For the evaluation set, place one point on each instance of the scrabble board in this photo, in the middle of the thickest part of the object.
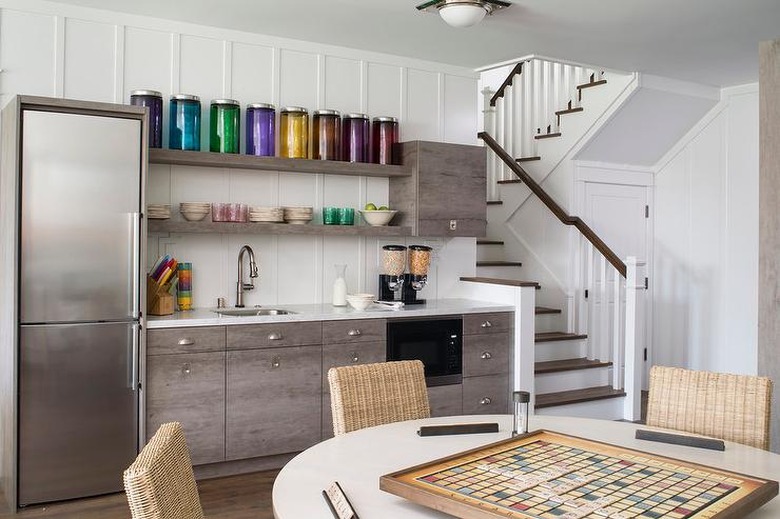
(548, 475)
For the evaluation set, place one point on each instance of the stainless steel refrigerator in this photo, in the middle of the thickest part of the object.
(79, 299)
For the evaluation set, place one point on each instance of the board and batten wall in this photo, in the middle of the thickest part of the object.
(705, 267)
(57, 50)
(769, 250)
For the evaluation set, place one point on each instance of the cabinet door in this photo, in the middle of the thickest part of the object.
(273, 335)
(479, 324)
(185, 340)
(273, 400)
(486, 354)
(486, 395)
(446, 400)
(189, 388)
(335, 355)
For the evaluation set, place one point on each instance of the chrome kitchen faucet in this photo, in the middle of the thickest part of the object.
(240, 285)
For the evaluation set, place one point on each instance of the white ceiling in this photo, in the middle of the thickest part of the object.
(713, 42)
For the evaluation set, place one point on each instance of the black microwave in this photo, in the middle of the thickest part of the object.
(436, 342)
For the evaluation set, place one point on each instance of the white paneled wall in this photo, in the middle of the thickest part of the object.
(57, 50)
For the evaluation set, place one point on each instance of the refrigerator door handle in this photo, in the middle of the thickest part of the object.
(136, 265)
(134, 356)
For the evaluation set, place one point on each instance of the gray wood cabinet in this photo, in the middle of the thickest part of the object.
(273, 335)
(273, 400)
(446, 400)
(351, 342)
(446, 192)
(487, 362)
(185, 382)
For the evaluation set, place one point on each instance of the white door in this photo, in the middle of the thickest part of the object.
(618, 213)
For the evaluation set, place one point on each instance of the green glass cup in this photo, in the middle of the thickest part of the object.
(330, 215)
(346, 216)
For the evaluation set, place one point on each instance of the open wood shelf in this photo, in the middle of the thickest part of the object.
(178, 226)
(237, 161)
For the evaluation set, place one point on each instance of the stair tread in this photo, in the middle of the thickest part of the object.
(527, 159)
(592, 84)
(576, 396)
(547, 135)
(558, 336)
(500, 281)
(546, 310)
(513, 181)
(569, 111)
(494, 202)
(556, 366)
(499, 264)
(490, 242)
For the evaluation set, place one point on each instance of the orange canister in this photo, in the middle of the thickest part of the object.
(294, 132)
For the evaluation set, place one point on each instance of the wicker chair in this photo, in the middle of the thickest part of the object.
(731, 407)
(160, 483)
(375, 394)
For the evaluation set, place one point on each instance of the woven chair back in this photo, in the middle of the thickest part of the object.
(730, 407)
(374, 394)
(160, 483)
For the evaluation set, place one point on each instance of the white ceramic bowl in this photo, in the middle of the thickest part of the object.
(194, 216)
(360, 301)
(377, 218)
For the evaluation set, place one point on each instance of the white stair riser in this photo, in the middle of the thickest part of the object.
(607, 409)
(574, 379)
(549, 323)
(491, 253)
(501, 272)
(559, 350)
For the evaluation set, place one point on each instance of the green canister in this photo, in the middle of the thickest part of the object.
(225, 126)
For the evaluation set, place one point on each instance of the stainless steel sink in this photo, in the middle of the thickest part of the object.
(241, 312)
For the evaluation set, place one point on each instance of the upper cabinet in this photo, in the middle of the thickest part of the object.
(446, 193)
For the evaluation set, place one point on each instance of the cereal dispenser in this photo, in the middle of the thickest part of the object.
(393, 266)
(394, 284)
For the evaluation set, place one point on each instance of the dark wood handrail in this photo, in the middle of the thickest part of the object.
(553, 206)
(517, 69)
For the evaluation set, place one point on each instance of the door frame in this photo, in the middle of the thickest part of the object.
(590, 172)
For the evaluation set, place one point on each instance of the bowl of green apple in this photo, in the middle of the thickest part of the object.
(377, 216)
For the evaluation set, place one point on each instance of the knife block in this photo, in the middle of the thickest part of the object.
(158, 300)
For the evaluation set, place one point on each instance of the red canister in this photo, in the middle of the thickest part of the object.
(384, 134)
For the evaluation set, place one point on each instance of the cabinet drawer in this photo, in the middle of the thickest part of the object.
(446, 400)
(486, 354)
(273, 401)
(273, 335)
(357, 330)
(190, 389)
(486, 395)
(185, 340)
(477, 324)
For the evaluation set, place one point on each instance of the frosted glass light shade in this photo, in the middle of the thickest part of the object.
(463, 14)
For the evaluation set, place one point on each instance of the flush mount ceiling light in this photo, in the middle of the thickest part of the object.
(463, 13)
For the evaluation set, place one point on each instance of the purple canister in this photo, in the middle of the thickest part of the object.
(260, 134)
(355, 135)
(152, 100)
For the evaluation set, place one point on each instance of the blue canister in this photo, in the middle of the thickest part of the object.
(260, 129)
(184, 124)
(152, 100)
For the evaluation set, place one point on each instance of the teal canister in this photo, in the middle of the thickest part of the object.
(225, 126)
(184, 122)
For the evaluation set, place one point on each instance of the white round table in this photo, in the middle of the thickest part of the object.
(358, 459)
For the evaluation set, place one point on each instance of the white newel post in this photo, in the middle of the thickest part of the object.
(633, 356)
(489, 118)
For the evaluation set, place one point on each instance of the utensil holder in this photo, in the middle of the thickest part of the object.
(158, 300)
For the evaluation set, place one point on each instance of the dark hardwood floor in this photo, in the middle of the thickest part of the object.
(235, 497)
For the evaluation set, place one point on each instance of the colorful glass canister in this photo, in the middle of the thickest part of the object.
(325, 134)
(151, 99)
(184, 123)
(225, 126)
(354, 139)
(294, 132)
(384, 134)
(260, 129)
(184, 286)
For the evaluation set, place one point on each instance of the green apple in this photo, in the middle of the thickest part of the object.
(370, 207)
(384, 208)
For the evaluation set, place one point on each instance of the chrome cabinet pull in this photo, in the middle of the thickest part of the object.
(486, 324)
(186, 341)
(354, 333)
(485, 401)
(274, 336)
(186, 368)
(486, 355)
(354, 357)
(275, 363)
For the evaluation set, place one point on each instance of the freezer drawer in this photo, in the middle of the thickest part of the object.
(78, 410)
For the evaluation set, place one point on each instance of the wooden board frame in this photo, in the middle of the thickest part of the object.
(751, 495)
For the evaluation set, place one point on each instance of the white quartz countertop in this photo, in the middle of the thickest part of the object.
(326, 312)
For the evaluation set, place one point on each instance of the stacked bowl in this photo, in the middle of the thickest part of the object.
(158, 211)
(360, 301)
(266, 214)
(194, 211)
(299, 215)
